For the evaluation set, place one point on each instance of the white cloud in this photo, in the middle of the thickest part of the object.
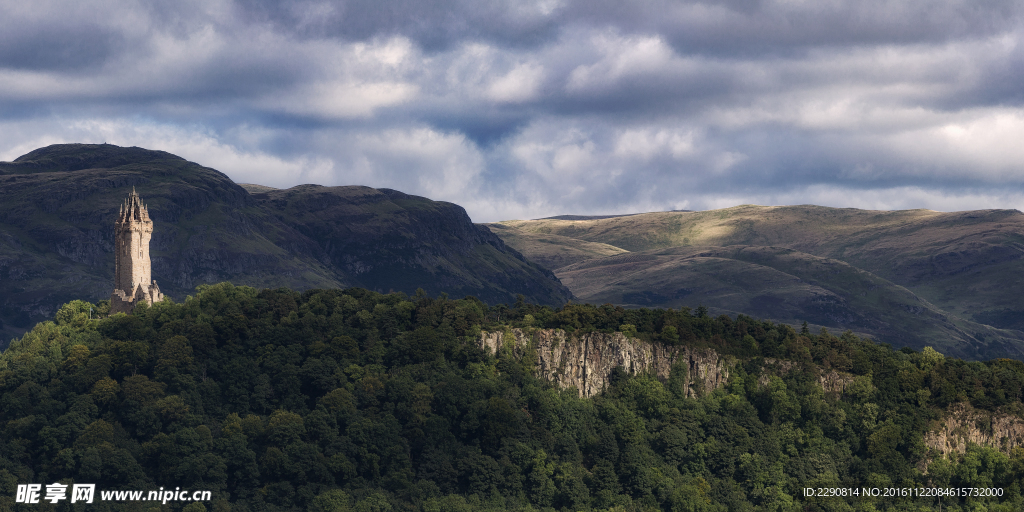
(352, 80)
(983, 144)
(645, 144)
(442, 166)
(343, 99)
(623, 57)
(520, 84)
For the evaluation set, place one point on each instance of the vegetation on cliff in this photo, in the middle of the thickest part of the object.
(354, 400)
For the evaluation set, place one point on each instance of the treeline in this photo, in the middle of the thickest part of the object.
(335, 400)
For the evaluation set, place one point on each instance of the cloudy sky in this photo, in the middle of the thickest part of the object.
(531, 108)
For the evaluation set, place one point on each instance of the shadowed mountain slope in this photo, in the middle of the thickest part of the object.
(58, 204)
(387, 240)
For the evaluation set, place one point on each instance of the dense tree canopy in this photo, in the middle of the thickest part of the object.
(334, 400)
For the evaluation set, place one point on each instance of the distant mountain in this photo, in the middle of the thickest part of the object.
(597, 217)
(910, 278)
(58, 204)
(553, 251)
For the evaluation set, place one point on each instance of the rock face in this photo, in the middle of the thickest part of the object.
(831, 381)
(834, 382)
(964, 425)
(585, 362)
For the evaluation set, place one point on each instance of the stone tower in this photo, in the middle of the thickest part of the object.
(132, 269)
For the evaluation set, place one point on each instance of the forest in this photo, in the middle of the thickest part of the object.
(352, 400)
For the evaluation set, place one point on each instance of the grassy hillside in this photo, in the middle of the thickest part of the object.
(966, 265)
(553, 251)
(788, 286)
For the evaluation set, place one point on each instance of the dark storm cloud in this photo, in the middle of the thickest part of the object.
(64, 48)
(434, 25)
(526, 109)
(716, 27)
(483, 130)
(758, 27)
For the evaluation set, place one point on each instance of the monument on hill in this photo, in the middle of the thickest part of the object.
(132, 280)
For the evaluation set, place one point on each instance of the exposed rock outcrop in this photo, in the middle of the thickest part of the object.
(832, 381)
(586, 361)
(964, 425)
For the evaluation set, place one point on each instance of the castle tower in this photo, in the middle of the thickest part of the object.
(132, 270)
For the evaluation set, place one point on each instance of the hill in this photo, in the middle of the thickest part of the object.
(553, 251)
(338, 400)
(58, 204)
(958, 269)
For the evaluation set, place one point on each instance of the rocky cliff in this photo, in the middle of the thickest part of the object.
(586, 361)
(965, 425)
(831, 381)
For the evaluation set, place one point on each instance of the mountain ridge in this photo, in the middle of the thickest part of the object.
(58, 204)
(962, 264)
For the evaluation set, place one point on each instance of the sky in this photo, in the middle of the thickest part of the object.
(520, 109)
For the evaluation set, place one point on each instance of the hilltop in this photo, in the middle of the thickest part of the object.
(910, 278)
(58, 204)
(336, 400)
